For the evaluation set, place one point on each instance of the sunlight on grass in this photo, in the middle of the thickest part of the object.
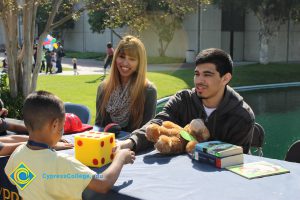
(82, 89)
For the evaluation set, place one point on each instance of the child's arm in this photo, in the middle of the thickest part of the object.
(8, 148)
(110, 175)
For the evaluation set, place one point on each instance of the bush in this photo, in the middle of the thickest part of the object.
(13, 105)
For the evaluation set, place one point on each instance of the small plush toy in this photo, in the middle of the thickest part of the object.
(173, 139)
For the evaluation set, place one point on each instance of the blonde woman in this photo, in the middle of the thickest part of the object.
(126, 97)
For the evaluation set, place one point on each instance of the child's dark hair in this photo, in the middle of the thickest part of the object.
(220, 58)
(40, 108)
(109, 45)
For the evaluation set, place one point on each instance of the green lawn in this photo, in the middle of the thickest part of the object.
(85, 55)
(82, 89)
(101, 56)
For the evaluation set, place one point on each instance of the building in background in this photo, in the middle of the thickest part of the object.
(209, 27)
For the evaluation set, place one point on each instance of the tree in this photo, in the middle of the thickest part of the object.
(163, 17)
(63, 11)
(117, 14)
(271, 14)
(22, 80)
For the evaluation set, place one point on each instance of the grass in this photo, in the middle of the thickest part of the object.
(101, 56)
(82, 89)
(85, 55)
(164, 60)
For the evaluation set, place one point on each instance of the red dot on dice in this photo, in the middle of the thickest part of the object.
(95, 161)
(79, 143)
(102, 143)
(111, 156)
(103, 161)
(111, 140)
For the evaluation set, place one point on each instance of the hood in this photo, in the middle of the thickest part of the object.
(231, 100)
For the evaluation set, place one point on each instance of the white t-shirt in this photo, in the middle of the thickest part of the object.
(209, 110)
(58, 176)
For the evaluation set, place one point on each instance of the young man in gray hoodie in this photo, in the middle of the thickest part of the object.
(227, 116)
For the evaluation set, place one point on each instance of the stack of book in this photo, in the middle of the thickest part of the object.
(220, 154)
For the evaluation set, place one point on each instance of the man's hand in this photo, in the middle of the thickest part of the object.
(124, 144)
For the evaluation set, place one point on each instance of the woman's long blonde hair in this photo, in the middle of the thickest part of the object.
(133, 47)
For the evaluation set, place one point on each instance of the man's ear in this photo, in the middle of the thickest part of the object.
(226, 78)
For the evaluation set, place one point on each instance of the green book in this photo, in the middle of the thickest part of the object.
(219, 149)
(257, 169)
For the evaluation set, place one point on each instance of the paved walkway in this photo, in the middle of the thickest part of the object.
(92, 66)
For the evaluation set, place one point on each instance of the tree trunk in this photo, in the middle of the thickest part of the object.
(161, 48)
(28, 33)
(264, 49)
(10, 19)
(264, 37)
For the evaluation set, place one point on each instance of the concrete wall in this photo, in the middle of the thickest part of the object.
(277, 45)
(238, 44)
(81, 37)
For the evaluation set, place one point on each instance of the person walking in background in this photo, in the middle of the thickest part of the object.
(109, 56)
(74, 61)
(48, 58)
(126, 97)
(59, 55)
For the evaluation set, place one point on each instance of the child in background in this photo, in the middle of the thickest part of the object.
(109, 56)
(74, 60)
(44, 117)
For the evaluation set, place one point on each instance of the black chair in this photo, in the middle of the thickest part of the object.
(80, 110)
(257, 140)
(293, 154)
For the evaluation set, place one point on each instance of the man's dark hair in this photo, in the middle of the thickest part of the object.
(109, 45)
(220, 58)
(40, 108)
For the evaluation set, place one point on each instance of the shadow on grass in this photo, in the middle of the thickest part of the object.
(101, 78)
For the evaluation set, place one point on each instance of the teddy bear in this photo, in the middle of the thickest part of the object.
(170, 138)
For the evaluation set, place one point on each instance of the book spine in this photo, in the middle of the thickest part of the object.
(204, 157)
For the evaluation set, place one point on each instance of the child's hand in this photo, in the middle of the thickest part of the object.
(125, 155)
(63, 145)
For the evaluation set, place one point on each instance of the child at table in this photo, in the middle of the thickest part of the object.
(44, 117)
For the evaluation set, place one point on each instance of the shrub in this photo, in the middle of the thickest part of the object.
(14, 105)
